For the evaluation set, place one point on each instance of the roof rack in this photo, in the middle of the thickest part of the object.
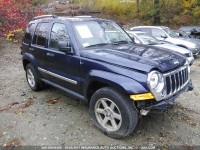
(85, 16)
(44, 16)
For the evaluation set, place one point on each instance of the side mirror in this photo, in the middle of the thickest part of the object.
(133, 38)
(163, 36)
(179, 34)
(136, 41)
(65, 46)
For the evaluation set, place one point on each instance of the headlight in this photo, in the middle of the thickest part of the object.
(155, 81)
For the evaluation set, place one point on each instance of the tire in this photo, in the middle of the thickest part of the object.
(103, 115)
(33, 79)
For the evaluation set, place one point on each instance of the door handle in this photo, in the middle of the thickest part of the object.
(50, 54)
(31, 49)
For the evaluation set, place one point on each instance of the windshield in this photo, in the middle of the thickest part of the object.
(148, 39)
(170, 32)
(99, 33)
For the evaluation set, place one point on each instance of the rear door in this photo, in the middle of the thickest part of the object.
(39, 43)
(59, 67)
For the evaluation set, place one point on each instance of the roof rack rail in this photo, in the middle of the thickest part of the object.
(44, 16)
(85, 16)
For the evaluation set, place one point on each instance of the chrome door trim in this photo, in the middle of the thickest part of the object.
(57, 76)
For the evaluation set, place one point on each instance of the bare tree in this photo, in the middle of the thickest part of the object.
(138, 8)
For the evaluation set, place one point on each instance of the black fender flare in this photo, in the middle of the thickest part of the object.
(31, 59)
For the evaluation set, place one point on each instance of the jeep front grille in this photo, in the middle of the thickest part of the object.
(176, 80)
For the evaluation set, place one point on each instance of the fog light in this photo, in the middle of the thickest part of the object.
(141, 97)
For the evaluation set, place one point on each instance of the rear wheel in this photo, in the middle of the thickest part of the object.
(113, 113)
(33, 79)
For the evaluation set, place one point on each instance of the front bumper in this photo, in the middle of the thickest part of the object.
(164, 104)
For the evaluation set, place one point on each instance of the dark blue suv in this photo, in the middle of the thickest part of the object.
(96, 61)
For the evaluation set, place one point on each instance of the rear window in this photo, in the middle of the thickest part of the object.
(28, 33)
(41, 34)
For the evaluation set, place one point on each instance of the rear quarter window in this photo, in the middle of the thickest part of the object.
(28, 33)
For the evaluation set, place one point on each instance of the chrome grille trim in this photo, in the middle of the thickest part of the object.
(175, 82)
(172, 85)
(179, 81)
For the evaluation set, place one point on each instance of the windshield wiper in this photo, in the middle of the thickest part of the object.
(100, 44)
(120, 42)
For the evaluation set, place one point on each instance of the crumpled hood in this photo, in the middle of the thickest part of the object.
(139, 57)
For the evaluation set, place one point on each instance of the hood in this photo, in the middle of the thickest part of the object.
(138, 57)
(190, 43)
(174, 48)
(191, 40)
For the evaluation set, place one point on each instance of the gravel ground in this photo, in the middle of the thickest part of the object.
(49, 117)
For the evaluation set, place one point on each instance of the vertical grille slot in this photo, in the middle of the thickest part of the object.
(173, 83)
(181, 78)
(168, 85)
(176, 80)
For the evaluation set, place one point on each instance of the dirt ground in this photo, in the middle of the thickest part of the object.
(49, 117)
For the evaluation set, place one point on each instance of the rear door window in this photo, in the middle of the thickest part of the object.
(28, 33)
(41, 34)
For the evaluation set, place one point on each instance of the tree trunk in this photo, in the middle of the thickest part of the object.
(138, 9)
(156, 17)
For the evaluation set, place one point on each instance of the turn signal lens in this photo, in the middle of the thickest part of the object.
(141, 97)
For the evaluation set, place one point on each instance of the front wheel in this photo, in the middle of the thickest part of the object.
(113, 113)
